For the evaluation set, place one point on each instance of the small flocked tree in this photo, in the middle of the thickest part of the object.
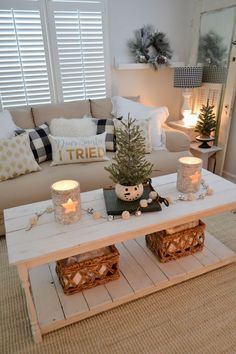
(129, 166)
(206, 123)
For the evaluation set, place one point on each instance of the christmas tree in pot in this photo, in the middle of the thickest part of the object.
(206, 124)
(129, 169)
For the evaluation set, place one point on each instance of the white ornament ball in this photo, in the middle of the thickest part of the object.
(96, 215)
(169, 199)
(210, 191)
(110, 218)
(33, 220)
(143, 203)
(49, 210)
(153, 195)
(191, 197)
(149, 200)
(138, 213)
(125, 215)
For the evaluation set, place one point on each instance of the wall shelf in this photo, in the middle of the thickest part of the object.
(140, 66)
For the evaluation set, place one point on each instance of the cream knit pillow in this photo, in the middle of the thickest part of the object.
(16, 157)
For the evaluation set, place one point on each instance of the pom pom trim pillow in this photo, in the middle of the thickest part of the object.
(73, 127)
(16, 157)
(39, 142)
(123, 107)
(66, 150)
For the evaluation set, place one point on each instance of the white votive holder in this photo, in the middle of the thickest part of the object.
(66, 201)
(189, 174)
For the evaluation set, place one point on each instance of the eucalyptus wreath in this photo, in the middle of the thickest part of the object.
(150, 46)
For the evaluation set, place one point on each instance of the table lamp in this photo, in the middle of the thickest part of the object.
(187, 77)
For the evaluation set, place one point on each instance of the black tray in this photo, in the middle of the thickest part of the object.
(116, 206)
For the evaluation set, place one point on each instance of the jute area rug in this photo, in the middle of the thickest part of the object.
(198, 316)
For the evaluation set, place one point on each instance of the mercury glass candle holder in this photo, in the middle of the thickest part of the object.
(189, 174)
(66, 201)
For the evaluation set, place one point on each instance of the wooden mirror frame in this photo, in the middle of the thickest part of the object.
(225, 115)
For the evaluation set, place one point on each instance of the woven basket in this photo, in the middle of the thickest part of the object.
(182, 243)
(88, 273)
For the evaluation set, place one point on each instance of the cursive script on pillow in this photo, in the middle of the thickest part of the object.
(81, 149)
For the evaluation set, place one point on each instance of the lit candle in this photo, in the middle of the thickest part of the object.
(66, 201)
(189, 174)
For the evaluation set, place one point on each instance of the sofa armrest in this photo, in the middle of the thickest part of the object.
(176, 140)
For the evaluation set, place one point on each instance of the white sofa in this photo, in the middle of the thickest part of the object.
(35, 186)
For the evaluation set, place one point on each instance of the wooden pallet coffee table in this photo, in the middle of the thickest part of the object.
(34, 252)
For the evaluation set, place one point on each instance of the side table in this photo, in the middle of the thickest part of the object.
(204, 154)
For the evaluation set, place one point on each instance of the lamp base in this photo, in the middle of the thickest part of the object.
(186, 107)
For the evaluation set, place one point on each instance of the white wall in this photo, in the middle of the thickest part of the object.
(172, 17)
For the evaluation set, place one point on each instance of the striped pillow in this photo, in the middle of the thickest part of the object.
(107, 125)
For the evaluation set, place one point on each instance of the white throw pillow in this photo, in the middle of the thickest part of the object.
(73, 127)
(144, 125)
(16, 157)
(78, 149)
(123, 107)
(7, 125)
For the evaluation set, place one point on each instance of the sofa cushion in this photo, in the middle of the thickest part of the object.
(7, 125)
(74, 109)
(73, 127)
(122, 107)
(176, 140)
(101, 108)
(68, 150)
(144, 127)
(39, 142)
(106, 125)
(16, 157)
(23, 117)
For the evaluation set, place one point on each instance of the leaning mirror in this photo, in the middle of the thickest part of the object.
(215, 40)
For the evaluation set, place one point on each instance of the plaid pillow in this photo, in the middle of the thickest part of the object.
(39, 142)
(107, 125)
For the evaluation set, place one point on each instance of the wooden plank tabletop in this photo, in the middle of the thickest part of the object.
(50, 241)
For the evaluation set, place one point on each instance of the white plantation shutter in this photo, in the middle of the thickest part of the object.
(51, 51)
(79, 49)
(24, 76)
(211, 92)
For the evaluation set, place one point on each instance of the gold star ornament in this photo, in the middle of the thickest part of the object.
(70, 206)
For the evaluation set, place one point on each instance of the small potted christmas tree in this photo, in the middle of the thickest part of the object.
(129, 169)
(206, 124)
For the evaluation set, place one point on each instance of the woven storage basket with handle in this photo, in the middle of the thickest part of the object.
(178, 244)
(88, 273)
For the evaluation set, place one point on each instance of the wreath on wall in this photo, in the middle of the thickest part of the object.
(150, 46)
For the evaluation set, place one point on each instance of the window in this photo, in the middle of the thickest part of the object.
(23, 68)
(63, 63)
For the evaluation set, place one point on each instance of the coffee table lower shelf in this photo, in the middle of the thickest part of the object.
(141, 274)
